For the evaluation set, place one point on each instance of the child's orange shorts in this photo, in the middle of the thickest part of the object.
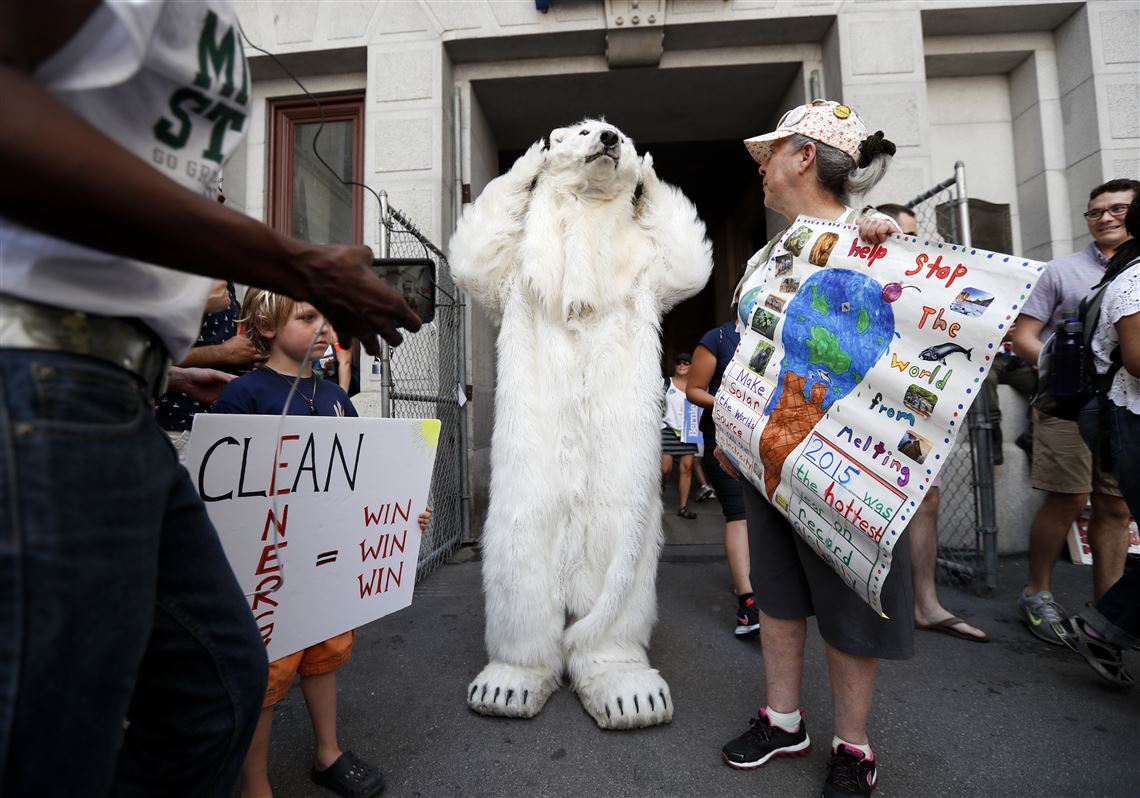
(312, 661)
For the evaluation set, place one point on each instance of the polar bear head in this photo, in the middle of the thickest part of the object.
(593, 159)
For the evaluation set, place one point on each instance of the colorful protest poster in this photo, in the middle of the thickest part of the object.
(317, 516)
(855, 369)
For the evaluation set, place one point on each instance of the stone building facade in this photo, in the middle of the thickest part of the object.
(1040, 99)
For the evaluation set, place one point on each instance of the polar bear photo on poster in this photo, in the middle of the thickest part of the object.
(577, 252)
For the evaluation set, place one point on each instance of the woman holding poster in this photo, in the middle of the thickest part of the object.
(819, 154)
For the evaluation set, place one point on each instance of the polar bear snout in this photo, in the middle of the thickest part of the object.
(609, 142)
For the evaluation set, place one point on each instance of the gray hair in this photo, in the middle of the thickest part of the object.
(837, 171)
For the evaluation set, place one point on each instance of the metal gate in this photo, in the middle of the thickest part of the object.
(967, 518)
(424, 378)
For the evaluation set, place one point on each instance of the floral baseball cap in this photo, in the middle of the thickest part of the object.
(825, 121)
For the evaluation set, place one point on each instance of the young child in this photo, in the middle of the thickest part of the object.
(287, 332)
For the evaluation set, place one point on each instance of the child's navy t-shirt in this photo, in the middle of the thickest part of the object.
(263, 391)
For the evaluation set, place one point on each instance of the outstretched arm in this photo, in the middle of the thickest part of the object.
(485, 245)
(684, 253)
(67, 179)
(202, 385)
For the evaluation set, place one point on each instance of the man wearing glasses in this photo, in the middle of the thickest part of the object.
(1063, 466)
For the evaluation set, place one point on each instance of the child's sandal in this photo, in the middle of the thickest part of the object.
(351, 777)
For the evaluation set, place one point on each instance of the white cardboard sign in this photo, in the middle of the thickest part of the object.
(317, 516)
(855, 369)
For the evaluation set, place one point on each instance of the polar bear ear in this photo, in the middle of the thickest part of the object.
(557, 136)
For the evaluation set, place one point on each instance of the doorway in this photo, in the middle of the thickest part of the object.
(692, 120)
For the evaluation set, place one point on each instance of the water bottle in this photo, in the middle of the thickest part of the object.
(1068, 352)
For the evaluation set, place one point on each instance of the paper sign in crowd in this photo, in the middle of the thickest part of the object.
(855, 369)
(691, 420)
(317, 516)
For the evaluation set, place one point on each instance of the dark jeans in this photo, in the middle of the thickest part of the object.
(118, 608)
(1117, 614)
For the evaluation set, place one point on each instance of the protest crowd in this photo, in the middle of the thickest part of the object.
(132, 301)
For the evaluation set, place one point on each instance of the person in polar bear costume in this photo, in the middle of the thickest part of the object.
(577, 251)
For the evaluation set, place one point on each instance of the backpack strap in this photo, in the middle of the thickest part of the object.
(1089, 314)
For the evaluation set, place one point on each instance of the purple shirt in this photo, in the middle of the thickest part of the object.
(1063, 284)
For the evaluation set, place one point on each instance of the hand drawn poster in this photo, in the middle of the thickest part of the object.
(855, 369)
(317, 516)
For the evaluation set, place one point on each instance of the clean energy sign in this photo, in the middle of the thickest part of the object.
(317, 516)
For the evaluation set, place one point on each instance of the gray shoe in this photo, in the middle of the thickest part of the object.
(1043, 616)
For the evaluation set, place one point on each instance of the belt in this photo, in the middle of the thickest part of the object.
(126, 343)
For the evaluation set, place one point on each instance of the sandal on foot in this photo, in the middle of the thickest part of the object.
(946, 627)
(351, 777)
(685, 512)
(1104, 657)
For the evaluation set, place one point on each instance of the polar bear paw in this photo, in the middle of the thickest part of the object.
(511, 691)
(626, 699)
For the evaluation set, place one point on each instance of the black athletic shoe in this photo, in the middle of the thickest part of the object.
(849, 773)
(762, 742)
(747, 618)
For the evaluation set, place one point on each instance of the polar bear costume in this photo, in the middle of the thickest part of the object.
(577, 251)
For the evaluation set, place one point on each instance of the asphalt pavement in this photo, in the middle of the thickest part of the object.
(1014, 717)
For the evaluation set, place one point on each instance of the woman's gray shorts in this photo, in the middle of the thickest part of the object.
(791, 581)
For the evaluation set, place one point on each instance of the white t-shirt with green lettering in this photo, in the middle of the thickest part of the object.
(168, 81)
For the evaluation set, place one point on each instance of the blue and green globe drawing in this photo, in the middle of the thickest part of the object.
(836, 328)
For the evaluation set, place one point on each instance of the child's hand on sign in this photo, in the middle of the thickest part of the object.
(425, 518)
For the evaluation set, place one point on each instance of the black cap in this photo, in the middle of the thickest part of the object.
(685, 356)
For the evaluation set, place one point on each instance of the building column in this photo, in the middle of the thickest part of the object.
(873, 61)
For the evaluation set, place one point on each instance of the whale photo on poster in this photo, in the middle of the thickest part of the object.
(856, 366)
(317, 516)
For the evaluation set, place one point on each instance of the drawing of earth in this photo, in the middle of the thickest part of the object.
(835, 329)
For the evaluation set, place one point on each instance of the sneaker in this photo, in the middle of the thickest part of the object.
(685, 512)
(747, 618)
(762, 742)
(1043, 616)
(704, 493)
(849, 773)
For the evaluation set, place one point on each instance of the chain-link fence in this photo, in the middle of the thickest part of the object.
(967, 525)
(427, 381)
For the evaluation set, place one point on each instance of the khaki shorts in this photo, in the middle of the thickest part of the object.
(312, 661)
(1062, 462)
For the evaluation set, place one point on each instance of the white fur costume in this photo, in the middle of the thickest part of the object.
(578, 250)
